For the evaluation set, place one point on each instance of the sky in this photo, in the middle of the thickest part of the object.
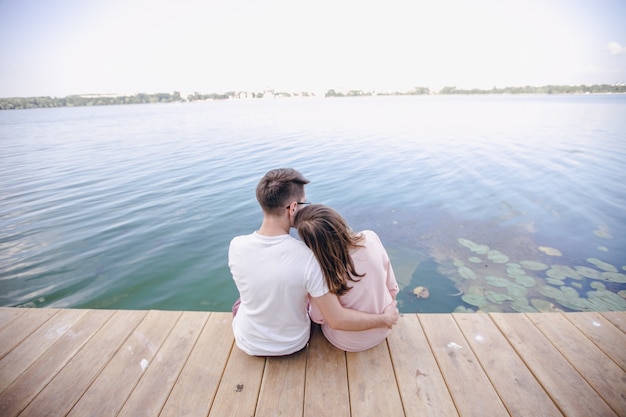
(64, 47)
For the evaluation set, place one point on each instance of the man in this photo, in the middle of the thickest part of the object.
(275, 273)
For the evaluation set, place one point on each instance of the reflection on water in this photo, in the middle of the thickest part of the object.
(134, 206)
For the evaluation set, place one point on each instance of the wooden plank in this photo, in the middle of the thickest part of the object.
(518, 389)
(603, 333)
(7, 315)
(282, 387)
(571, 393)
(372, 383)
(608, 379)
(16, 331)
(72, 381)
(17, 395)
(20, 358)
(422, 387)
(326, 378)
(111, 389)
(157, 382)
(239, 389)
(198, 382)
(618, 318)
(471, 390)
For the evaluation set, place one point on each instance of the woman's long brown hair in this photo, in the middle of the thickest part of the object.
(326, 233)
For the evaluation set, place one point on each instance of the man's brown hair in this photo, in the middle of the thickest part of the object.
(279, 188)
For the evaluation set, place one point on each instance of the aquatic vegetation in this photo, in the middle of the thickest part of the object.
(525, 281)
(421, 292)
(522, 308)
(497, 257)
(467, 273)
(555, 281)
(475, 300)
(550, 292)
(613, 277)
(601, 299)
(498, 298)
(514, 270)
(534, 265)
(517, 290)
(603, 232)
(603, 248)
(493, 282)
(463, 309)
(602, 265)
(497, 281)
(474, 247)
(544, 306)
(563, 271)
(550, 251)
(587, 272)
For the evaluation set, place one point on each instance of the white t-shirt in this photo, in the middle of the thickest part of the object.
(274, 276)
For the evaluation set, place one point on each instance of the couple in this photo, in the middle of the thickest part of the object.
(343, 280)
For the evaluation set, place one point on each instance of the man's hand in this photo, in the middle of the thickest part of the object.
(391, 314)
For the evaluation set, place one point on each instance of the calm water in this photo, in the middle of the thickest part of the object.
(134, 206)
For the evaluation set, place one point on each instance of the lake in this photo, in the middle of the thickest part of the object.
(497, 203)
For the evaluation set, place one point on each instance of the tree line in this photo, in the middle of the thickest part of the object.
(103, 100)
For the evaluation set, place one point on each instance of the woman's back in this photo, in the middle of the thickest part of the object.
(371, 293)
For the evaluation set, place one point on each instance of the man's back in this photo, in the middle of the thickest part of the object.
(274, 275)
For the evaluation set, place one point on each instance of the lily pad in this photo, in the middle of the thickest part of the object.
(555, 281)
(474, 247)
(544, 306)
(525, 281)
(497, 257)
(603, 232)
(597, 285)
(514, 271)
(498, 298)
(475, 260)
(463, 309)
(517, 290)
(475, 300)
(587, 272)
(523, 308)
(562, 272)
(458, 263)
(467, 273)
(550, 251)
(490, 308)
(497, 281)
(622, 293)
(550, 292)
(601, 300)
(602, 265)
(534, 265)
(613, 277)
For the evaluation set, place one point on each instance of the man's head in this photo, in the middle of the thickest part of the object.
(279, 189)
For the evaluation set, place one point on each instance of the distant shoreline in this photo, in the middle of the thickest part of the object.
(15, 103)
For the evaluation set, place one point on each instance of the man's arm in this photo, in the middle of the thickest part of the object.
(340, 318)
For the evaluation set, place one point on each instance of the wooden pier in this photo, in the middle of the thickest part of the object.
(166, 363)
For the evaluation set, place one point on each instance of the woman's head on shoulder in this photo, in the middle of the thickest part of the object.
(327, 234)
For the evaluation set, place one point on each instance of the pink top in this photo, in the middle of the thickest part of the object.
(375, 291)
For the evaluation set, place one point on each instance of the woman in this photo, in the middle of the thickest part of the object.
(355, 267)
